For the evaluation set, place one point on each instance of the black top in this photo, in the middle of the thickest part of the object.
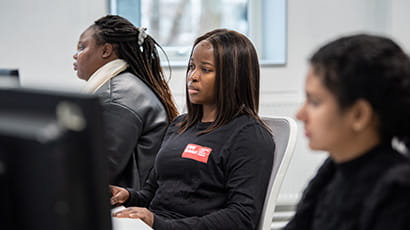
(369, 192)
(211, 181)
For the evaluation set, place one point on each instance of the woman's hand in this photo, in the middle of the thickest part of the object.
(138, 213)
(119, 195)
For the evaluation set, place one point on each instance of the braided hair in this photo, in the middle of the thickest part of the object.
(140, 54)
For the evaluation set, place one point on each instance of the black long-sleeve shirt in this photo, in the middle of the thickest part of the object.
(371, 192)
(210, 181)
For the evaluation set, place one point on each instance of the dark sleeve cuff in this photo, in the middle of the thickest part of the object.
(160, 223)
(132, 200)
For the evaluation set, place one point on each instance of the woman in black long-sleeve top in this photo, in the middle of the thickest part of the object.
(213, 168)
(357, 102)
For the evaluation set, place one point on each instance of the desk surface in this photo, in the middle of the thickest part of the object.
(129, 224)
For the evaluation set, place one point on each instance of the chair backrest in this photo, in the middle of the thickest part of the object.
(284, 134)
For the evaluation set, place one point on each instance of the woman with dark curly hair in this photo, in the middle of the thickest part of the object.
(357, 105)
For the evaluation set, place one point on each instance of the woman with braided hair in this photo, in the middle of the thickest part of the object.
(120, 63)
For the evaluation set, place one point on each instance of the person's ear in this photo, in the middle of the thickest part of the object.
(362, 115)
(108, 50)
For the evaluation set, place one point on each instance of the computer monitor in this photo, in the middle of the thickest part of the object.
(9, 78)
(52, 163)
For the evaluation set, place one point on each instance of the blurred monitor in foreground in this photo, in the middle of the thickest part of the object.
(9, 78)
(52, 164)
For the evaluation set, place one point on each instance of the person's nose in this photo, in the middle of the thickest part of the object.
(193, 75)
(301, 113)
(75, 56)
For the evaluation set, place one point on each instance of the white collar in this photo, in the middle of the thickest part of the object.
(103, 74)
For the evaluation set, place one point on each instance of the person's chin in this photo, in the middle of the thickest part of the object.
(193, 100)
(82, 77)
(312, 145)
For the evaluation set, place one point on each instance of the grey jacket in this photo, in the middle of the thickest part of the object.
(135, 121)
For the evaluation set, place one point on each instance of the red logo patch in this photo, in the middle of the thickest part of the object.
(197, 152)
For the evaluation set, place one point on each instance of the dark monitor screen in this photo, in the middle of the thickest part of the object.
(9, 78)
(52, 165)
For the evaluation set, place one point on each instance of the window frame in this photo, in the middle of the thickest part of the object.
(267, 30)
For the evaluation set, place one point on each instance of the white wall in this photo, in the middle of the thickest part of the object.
(39, 37)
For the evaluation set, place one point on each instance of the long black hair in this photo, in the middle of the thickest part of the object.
(237, 79)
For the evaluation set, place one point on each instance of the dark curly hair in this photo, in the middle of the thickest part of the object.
(372, 68)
